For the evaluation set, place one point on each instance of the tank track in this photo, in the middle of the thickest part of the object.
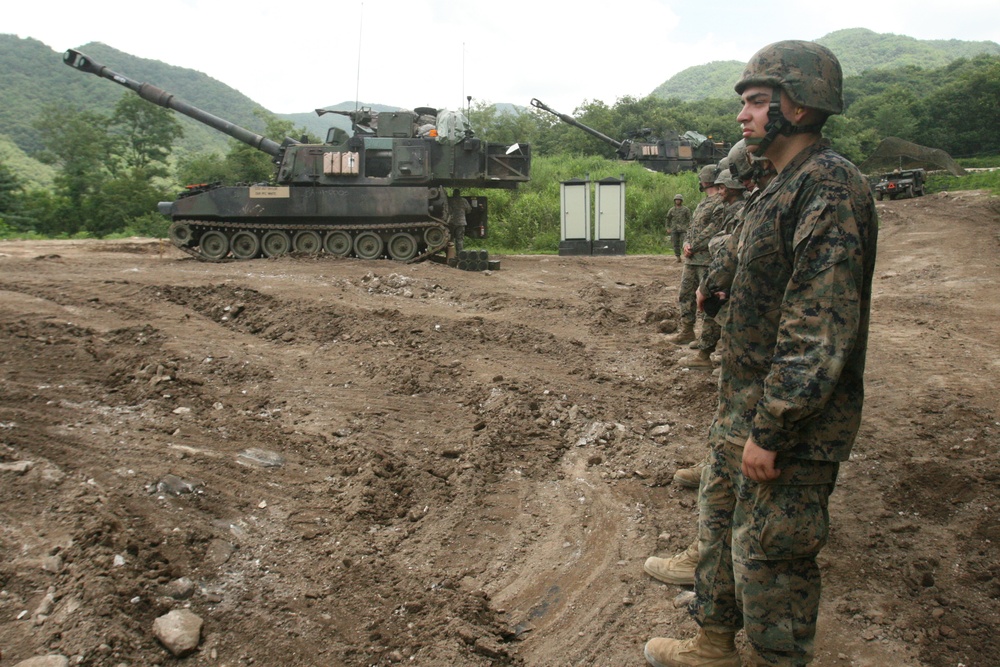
(199, 227)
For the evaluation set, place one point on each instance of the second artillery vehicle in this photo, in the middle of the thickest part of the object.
(688, 152)
(378, 191)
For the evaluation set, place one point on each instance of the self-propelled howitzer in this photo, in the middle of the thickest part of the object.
(378, 191)
(668, 155)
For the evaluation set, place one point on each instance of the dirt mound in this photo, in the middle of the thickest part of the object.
(340, 462)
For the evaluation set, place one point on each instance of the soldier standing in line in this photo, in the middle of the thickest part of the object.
(732, 190)
(678, 223)
(679, 569)
(791, 388)
(706, 221)
(458, 207)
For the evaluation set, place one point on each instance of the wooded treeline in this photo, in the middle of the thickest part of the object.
(955, 108)
(110, 170)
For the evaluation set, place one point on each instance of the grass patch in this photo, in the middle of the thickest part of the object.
(975, 180)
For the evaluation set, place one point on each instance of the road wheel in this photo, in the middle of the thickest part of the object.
(276, 243)
(245, 245)
(214, 244)
(338, 243)
(434, 236)
(307, 242)
(402, 247)
(368, 245)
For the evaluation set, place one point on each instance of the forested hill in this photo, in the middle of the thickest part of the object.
(33, 79)
(858, 49)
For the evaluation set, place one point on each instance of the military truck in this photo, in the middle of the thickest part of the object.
(901, 183)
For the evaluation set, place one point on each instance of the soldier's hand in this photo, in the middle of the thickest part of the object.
(758, 463)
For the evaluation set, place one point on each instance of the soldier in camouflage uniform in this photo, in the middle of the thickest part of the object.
(755, 172)
(458, 208)
(791, 389)
(678, 222)
(732, 190)
(707, 220)
(679, 569)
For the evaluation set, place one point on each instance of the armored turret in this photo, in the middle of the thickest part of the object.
(374, 192)
(669, 155)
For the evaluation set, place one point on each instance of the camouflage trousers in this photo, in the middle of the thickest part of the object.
(687, 307)
(458, 236)
(757, 547)
(677, 242)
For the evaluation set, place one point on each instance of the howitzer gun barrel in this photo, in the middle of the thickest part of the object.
(538, 104)
(167, 100)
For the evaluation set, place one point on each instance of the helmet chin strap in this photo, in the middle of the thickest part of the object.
(778, 124)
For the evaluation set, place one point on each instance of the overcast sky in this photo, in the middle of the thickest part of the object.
(436, 52)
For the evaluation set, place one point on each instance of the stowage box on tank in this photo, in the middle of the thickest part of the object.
(379, 191)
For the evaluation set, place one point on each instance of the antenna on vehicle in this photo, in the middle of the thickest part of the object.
(357, 84)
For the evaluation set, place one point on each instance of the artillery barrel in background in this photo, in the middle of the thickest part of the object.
(167, 100)
(538, 104)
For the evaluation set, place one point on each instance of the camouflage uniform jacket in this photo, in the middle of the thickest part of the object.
(734, 213)
(708, 220)
(678, 219)
(792, 374)
(719, 277)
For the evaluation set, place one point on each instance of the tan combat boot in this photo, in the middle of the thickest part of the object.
(700, 359)
(706, 649)
(677, 570)
(690, 478)
(683, 336)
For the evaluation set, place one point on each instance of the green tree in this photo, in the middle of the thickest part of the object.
(851, 138)
(108, 167)
(48, 213)
(203, 168)
(505, 126)
(11, 201)
(77, 144)
(963, 116)
(119, 201)
(143, 135)
(894, 112)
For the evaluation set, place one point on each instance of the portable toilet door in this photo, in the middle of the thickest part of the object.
(574, 198)
(609, 238)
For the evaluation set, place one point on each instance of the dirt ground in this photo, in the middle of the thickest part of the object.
(343, 462)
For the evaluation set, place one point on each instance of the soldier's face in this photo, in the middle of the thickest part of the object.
(753, 116)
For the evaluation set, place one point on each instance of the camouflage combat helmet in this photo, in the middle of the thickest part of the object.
(679, 196)
(707, 174)
(809, 73)
(727, 179)
(739, 161)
